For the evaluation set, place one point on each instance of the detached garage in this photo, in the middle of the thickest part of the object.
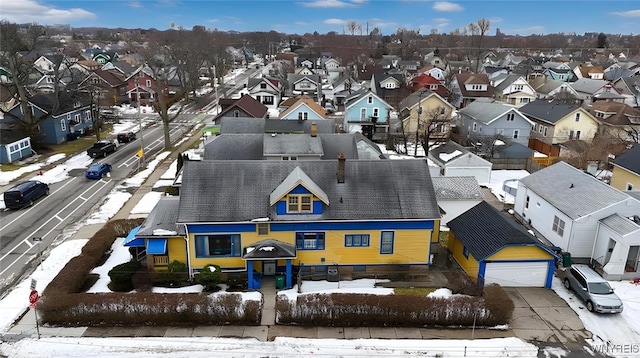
(492, 248)
(456, 161)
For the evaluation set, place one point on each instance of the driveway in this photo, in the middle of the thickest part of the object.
(540, 315)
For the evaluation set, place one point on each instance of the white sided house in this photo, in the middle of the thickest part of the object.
(455, 195)
(591, 220)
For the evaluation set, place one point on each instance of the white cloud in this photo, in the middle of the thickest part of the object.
(527, 30)
(31, 11)
(135, 4)
(630, 13)
(442, 22)
(329, 3)
(335, 21)
(447, 6)
(382, 24)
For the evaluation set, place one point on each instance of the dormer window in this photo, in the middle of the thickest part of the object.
(299, 203)
(303, 116)
(433, 87)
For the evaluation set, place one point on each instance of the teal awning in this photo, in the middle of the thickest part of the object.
(131, 240)
(156, 246)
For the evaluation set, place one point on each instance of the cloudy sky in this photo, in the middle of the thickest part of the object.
(306, 16)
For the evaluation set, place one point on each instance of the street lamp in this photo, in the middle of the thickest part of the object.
(38, 240)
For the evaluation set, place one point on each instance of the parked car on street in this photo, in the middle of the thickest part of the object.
(101, 149)
(97, 170)
(25, 193)
(594, 290)
(126, 137)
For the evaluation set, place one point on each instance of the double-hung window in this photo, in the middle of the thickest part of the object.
(386, 242)
(558, 225)
(356, 240)
(310, 240)
(299, 203)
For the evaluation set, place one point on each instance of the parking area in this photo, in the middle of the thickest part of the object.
(541, 315)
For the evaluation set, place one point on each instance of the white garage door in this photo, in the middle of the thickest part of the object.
(517, 274)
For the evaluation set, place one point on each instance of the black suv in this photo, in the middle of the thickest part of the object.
(126, 137)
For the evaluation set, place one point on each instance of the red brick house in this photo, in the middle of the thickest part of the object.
(143, 83)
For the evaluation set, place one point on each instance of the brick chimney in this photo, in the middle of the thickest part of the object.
(314, 129)
(341, 161)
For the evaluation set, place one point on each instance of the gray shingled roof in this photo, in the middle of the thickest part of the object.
(588, 85)
(620, 225)
(456, 188)
(163, 217)
(291, 144)
(242, 125)
(289, 126)
(485, 112)
(630, 160)
(572, 191)
(234, 191)
(484, 231)
(546, 111)
(509, 79)
(234, 146)
(447, 148)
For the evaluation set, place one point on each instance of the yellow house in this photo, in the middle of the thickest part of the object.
(626, 170)
(269, 218)
(426, 113)
(557, 122)
(492, 248)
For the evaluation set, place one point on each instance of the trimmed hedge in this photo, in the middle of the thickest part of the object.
(62, 304)
(494, 308)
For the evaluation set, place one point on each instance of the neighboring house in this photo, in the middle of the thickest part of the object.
(486, 121)
(389, 87)
(514, 90)
(110, 85)
(343, 87)
(367, 113)
(589, 90)
(86, 66)
(626, 170)
(143, 87)
(592, 72)
(244, 107)
(14, 146)
(316, 143)
(425, 112)
(309, 85)
(430, 83)
(266, 90)
(557, 122)
(71, 116)
(546, 88)
(583, 216)
(433, 71)
(303, 108)
(617, 120)
(288, 217)
(559, 71)
(456, 161)
(470, 87)
(492, 248)
(455, 195)
(630, 87)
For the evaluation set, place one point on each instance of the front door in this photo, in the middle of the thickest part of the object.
(269, 268)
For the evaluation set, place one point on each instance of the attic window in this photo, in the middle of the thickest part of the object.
(577, 117)
(299, 203)
(433, 87)
(263, 228)
(511, 117)
(370, 99)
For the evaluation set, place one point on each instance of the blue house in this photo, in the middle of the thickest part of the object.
(14, 146)
(71, 117)
(367, 113)
(303, 108)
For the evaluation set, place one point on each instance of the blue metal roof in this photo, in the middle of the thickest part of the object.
(131, 240)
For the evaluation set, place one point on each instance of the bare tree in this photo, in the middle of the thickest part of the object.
(353, 27)
(433, 127)
(478, 31)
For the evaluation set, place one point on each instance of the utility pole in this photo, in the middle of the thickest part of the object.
(415, 152)
(141, 152)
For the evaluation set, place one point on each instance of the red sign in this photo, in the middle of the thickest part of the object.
(33, 298)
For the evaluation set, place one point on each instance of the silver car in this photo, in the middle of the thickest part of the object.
(592, 289)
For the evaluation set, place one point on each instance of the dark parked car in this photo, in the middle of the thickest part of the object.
(97, 170)
(126, 137)
(25, 193)
(101, 149)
